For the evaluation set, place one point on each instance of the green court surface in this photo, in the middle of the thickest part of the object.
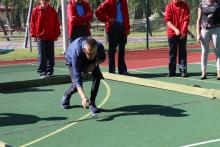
(160, 73)
(131, 115)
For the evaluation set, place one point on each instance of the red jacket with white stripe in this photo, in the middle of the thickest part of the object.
(44, 23)
(108, 10)
(75, 20)
(178, 14)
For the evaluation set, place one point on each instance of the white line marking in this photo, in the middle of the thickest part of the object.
(71, 124)
(202, 143)
(191, 79)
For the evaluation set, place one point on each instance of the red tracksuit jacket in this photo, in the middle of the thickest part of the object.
(75, 20)
(108, 10)
(179, 15)
(45, 23)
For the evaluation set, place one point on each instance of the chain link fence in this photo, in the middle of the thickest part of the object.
(13, 18)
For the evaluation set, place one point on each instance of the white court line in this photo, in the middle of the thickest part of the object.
(108, 93)
(202, 143)
(191, 79)
(212, 65)
(152, 67)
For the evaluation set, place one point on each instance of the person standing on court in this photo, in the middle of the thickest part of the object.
(208, 28)
(115, 15)
(79, 16)
(177, 16)
(84, 55)
(45, 28)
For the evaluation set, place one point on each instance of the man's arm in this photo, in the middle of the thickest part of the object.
(170, 25)
(168, 19)
(77, 77)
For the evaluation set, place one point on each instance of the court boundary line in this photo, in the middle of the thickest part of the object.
(188, 78)
(202, 143)
(191, 79)
(108, 93)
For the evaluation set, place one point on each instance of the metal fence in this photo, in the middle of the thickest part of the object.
(13, 22)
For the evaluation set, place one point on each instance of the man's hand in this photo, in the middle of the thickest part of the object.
(198, 38)
(111, 20)
(183, 35)
(85, 102)
(177, 32)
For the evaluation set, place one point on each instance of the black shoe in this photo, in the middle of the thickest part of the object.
(171, 74)
(124, 73)
(65, 102)
(218, 78)
(184, 75)
(203, 77)
(112, 72)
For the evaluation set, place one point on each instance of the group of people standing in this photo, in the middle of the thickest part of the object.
(84, 53)
(177, 16)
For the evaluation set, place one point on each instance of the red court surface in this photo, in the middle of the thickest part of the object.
(138, 59)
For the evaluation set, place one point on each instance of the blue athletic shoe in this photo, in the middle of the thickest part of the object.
(93, 108)
(65, 102)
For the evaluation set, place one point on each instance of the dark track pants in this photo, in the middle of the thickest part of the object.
(117, 38)
(45, 56)
(96, 77)
(177, 45)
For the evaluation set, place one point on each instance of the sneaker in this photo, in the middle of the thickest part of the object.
(93, 108)
(43, 76)
(65, 102)
(49, 75)
(184, 75)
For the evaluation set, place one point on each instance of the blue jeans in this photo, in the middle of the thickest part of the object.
(45, 56)
(177, 45)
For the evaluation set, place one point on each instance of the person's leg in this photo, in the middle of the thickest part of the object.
(96, 77)
(65, 101)
(216, 43)
(205, 39)
(172, 55)
(50, 58)
(122, 68)
(78, 31)
(42, 59)
(182, 56)
(112, 36)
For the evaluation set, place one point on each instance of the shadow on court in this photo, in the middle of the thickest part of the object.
(12, 119)
(167, 111)
(158, 75)
(25, 90)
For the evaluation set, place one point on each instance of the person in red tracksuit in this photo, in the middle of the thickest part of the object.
(177, 15)
(45, 28)
(115, 15)
(79, 16)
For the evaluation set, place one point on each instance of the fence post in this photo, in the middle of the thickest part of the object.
(28, 23)
(64, 25)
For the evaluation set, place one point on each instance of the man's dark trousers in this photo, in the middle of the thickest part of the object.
(78, 31)
(177, 45)
(117, 37)
(96, 77)
(46, 56)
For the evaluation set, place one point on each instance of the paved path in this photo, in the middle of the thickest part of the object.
(19, 44)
